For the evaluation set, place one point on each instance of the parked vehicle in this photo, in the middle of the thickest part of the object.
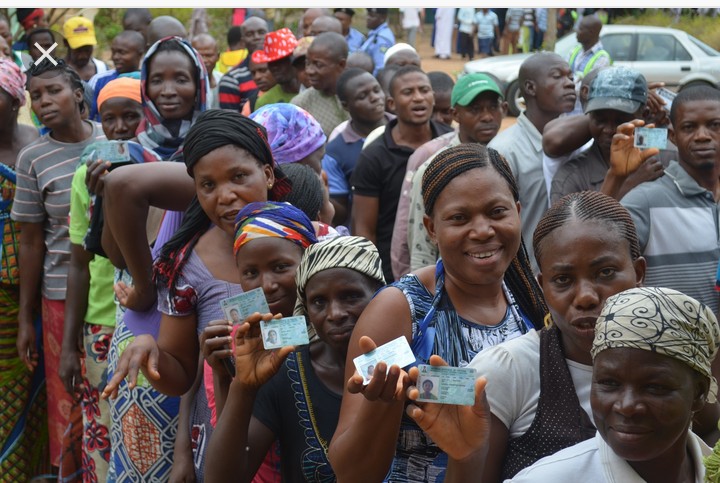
(661, 54)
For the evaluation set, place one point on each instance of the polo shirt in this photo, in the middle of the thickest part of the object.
(521, 145)
(677, 226)
(379, 173)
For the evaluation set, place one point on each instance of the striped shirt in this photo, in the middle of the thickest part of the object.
(236, 87)
(45, 169)
(677, 225)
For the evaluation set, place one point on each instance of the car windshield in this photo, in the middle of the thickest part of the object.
(565, 45)
(704, 47)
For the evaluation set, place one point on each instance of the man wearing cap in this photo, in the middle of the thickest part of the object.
(278, 54)
(326, 60)
(478, 108)
(79, 33)
(617, 95)
(237, 86)
(353, 37)
(380, 37)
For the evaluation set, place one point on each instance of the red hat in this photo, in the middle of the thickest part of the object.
(278, 45)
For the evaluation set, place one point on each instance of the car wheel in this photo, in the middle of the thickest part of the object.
(514, 99)
(696, 84)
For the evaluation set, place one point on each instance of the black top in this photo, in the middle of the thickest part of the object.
(379, 173)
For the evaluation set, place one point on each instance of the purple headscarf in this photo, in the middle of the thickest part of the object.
(292, 132)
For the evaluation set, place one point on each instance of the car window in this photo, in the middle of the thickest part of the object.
(660, 47)
(618, 46)
(704, 47)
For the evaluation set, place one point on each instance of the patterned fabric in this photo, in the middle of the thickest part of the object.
(353, 252)
(664, 321)
(9, 271)
(23, 404)
(12, 80)
(560, 421)
(142, 434)
(272, 219)
(152, 132)
(96, 411)
(278, 45)
(292, 132)
(326, 109)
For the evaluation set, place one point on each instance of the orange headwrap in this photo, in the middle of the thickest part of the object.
(126, 87)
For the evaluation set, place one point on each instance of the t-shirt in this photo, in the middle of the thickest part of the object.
(101, 296)
(236, 87)
(327, 110)
(593, 461)
(45, 169)
(379, 173)
(274, 95)
(513, 17)
(303, 413)
(466, 19)
(410, 17)
(486, 23)
(513, 372)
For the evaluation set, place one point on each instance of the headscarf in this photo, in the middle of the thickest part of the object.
(12, 80)
(663, 321)
(152, 132)
(216, 128)
(292, 132)
(353, 252)
(124, 87)
(275, 220)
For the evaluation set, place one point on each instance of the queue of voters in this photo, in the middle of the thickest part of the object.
(296, 253)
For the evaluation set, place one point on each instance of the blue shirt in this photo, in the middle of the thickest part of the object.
(377, 43)
(355, 40)
(97, 82)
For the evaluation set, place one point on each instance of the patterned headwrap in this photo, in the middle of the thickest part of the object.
(272, 219)
(152, 132)
(664, 321)
(292, 132)
(12, 80)
(353, 252)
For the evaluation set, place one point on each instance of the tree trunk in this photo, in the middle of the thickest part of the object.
(551, 33)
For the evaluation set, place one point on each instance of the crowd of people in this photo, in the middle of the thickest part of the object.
(572, 269)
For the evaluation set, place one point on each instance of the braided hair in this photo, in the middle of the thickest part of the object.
(451, 163)
(70, 75)
(212, 130)
(584, 206)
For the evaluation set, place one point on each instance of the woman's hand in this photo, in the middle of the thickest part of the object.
(385, 385)
(143, 352)
(216, 344)
(26, 345)
(460, 431)
(254, 365)
(94, 177)
(134, 297)
(625, 158)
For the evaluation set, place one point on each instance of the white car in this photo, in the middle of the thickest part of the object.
(660, 54)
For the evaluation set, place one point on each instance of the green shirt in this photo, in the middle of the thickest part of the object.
(273, 96)
(101, 298)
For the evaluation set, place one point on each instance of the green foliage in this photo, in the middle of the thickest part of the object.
(704, 28)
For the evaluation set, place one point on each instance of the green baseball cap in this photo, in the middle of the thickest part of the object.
(469, 86)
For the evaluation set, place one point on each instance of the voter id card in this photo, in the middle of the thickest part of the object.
(667, 95)
(281, 332)
(396, 352)
(446, 385)
(113, 151)
(240, 307)
(647, 137)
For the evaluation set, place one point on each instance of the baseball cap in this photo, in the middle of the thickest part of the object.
(79, 31)
(619, 89)
(469, 86)
(278, 45)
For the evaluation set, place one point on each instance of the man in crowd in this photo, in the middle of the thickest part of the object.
(380, 38)
(236, 51)
(589, 55)
(353, 37)
(547, 86)
(325, 62)
(278, 54)
(325, 23)
(308, 18)
(80, 41)
(207, 47)
(137, 19)
(478, 107)
(676, 215)
(127, 48)
(237, 86)
(164, 26)
(380, 170)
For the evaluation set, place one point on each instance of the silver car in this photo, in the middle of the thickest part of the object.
(661, 54)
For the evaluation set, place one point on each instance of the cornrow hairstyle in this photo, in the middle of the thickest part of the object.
(307, 192)
(455, 161)
(72, 77)
(586, 206)
(214, 129)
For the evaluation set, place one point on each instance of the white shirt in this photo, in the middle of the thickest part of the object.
(410, 17)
